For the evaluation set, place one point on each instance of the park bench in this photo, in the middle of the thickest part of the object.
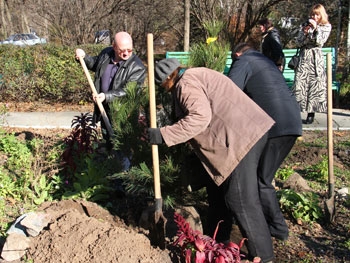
(287, 73)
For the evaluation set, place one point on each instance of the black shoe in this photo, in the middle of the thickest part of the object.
(310, 118)
(281, 234)
(280, 237)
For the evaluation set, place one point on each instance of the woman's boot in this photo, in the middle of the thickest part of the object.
(310, 118)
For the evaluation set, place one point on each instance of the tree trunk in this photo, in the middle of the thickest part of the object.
(25, 25)
(6, 20)
(187, 26)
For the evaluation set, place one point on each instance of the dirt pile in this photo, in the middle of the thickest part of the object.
(84, 232)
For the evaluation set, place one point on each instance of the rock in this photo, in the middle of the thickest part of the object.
(16, 227)
(35, 222)
(189, 213)
(191, 216)
(343, 192)
(297, 183)
(30, 224)
(15, 246)
(17, 241)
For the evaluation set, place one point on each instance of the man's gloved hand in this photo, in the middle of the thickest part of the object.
(154, 136)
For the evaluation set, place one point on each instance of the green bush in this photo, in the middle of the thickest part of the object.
(18, 178)
(44, 73)
(213, 53)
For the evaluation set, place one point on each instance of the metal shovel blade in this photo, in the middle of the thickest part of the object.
(330, 209)
(157, 236)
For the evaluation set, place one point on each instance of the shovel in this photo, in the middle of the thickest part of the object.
(330, 203)
(94, 92)
(157, 227)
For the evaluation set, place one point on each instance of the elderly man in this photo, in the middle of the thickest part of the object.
(114, 67)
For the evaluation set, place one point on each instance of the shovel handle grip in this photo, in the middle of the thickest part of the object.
(98, 102)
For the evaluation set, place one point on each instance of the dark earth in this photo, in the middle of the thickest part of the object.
(81, 231)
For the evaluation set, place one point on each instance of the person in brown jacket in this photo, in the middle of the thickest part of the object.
(227, 131)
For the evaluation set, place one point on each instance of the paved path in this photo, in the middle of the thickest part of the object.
(51, 120)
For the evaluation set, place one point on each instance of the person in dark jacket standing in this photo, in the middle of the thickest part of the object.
(271, 43)
(114, 67)
(227, 132)
(258, 77)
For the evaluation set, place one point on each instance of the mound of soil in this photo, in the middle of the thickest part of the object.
(82, 231)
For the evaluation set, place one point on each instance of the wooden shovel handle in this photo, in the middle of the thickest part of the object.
(94, 92)
(153, 115)
(330, 125)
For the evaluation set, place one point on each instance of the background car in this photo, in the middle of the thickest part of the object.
(24, 40)
(103, 37)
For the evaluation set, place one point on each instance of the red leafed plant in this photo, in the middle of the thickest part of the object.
(199, 248)
(80, 141)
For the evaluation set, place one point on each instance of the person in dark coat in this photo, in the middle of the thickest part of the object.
(259, 78)
(271, 45)
(114, 68)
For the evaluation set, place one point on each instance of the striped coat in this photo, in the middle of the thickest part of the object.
(310, 82)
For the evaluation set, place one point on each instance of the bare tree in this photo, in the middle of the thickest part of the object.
(163, 19)
(74, 22)
(13, 17)
(71, 22)
(6, 19)
(187, 25)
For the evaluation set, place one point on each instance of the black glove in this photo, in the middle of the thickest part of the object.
(154, 136)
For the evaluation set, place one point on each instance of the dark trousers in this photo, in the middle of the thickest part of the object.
(275, 151)
(106, 136)
(238, 196)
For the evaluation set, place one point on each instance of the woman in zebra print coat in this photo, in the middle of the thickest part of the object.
(310, 83)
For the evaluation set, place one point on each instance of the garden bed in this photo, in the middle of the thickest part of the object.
(87, 238)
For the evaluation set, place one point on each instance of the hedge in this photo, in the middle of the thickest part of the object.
(46, 73)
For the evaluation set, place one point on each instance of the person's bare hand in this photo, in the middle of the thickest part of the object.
(99, 97)
(313, 23)
(79, 53)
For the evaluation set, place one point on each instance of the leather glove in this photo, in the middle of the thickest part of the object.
(154, 136)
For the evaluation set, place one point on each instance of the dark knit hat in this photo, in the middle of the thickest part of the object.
(164, 68)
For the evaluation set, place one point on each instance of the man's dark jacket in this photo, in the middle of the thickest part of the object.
(261, 80)
(132, 70)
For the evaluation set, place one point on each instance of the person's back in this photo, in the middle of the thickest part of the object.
(267, 87)
(215, 106)
(271, 45)
(258, 77)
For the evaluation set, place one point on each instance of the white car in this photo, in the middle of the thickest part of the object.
(24, 40)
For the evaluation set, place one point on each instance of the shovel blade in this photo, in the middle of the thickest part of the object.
(153, 220)
(159, 230)
(330, 209)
